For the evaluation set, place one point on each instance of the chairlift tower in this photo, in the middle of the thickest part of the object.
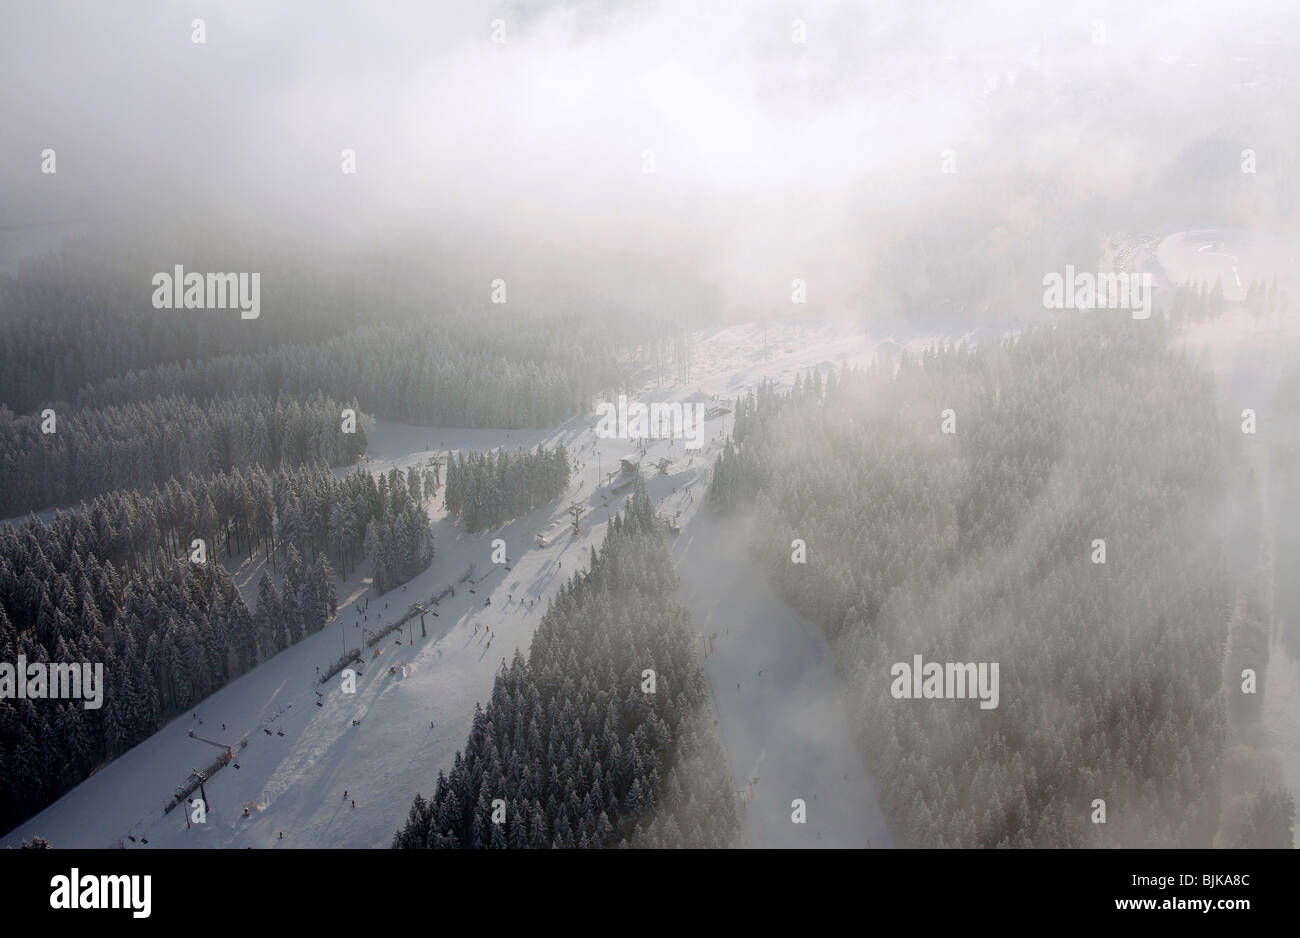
(207, 809)
(374, 635)
(436, 462)
(576, 510)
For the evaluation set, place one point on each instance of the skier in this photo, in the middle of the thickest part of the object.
(345, 794)
(282, 835)
(223, 726)
(354, 802)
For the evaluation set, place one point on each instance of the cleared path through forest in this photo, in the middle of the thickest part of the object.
(787, 727)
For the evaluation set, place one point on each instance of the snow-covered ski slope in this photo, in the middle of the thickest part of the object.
(294, 783)
(781, 700)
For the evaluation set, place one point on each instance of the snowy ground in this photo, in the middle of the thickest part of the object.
(728, 360)
(413, 720)
(1246, 353)
(294, 783)
(780, 699)
(786, 728)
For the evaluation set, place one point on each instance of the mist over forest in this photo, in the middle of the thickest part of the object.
(309, 314)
